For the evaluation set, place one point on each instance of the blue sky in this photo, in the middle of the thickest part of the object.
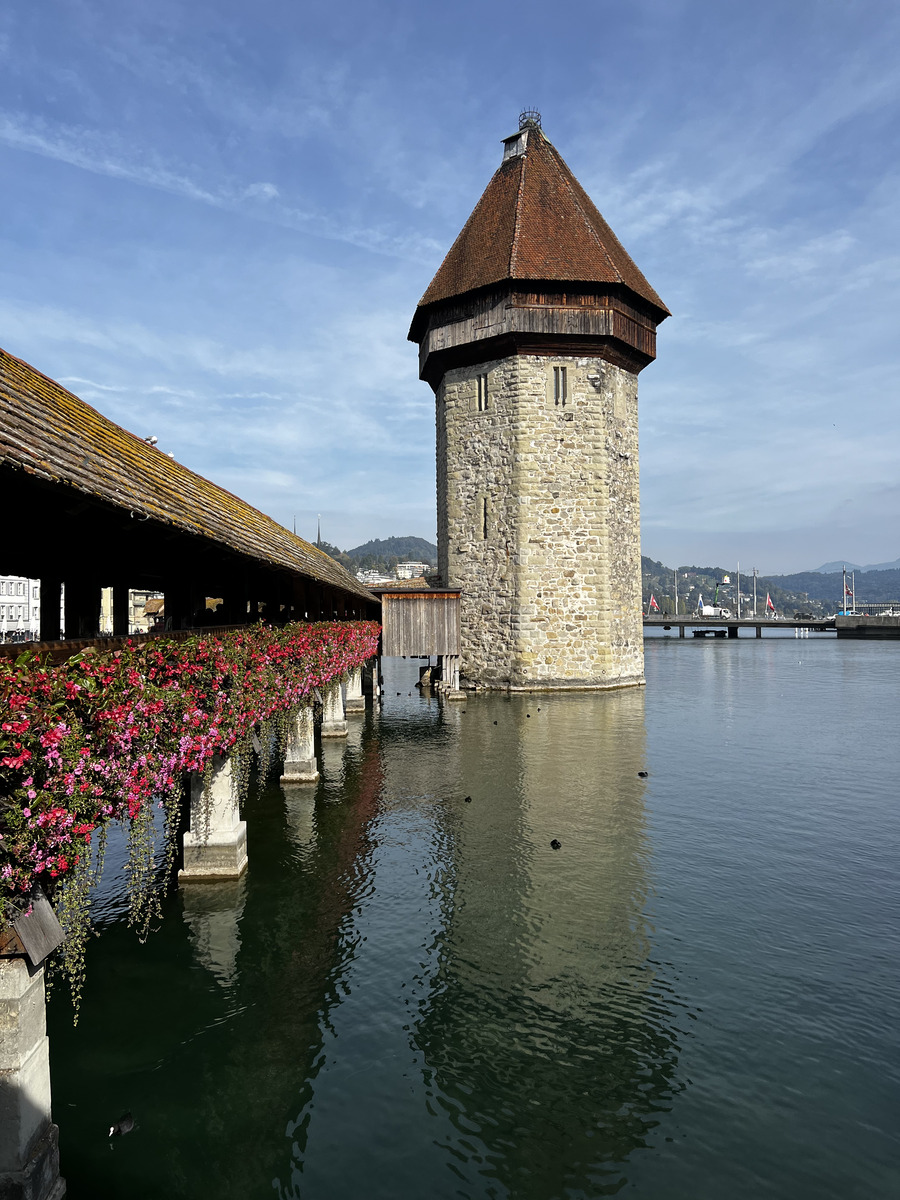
(218, 217)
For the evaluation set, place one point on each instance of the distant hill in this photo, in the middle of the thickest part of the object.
(829, 568)
(412, 549)
(383, 554)
(878, 585)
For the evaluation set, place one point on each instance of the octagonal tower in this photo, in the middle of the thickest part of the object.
(532, 335)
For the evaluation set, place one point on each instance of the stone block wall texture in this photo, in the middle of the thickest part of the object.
(539, 522)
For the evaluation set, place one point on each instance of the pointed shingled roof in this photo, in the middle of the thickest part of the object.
(536, 222)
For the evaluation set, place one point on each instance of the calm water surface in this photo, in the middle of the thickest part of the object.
(410, 995)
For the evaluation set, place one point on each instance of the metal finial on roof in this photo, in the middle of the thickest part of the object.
(529, 118)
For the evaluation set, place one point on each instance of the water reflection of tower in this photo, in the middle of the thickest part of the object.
(548, 1034)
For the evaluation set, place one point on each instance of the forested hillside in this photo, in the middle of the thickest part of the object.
(383, 554)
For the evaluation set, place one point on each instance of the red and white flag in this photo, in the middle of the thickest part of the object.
(769, 603)
(653, 604)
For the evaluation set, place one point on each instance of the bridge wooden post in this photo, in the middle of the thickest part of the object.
(334, 723)
(371, 677)
(82, 607)
(215, 846)
(681, 631)
(450, 677)
(354, 700)
(51, 598)
(121, 608)
(300, 756)
(29, 1141)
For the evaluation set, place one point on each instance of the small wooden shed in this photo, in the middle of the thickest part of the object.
(418, 620)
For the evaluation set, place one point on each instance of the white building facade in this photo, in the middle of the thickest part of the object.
(20, 609)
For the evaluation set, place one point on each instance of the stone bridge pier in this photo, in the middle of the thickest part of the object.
(29, 1141)
(215, 846)
(300, 754)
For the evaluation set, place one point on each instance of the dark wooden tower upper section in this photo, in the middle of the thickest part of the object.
(535, 270)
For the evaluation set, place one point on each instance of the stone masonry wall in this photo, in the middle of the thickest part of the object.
(538, 521)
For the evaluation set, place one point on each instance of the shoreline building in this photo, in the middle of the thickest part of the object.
(532, 335)
(20, 608)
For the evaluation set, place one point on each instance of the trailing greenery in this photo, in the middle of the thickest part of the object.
(110, 737)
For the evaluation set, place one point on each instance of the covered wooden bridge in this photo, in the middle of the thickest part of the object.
(90, 506)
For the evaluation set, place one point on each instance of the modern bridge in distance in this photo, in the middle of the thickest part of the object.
(850, 626)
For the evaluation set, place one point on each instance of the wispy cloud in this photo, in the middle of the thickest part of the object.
(108, 154)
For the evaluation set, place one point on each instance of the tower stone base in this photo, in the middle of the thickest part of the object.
(538, 512)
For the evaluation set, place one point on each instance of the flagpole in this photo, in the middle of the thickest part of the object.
(675, 574)
(738, 592)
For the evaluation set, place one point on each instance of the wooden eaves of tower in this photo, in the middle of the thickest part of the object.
(90, 505)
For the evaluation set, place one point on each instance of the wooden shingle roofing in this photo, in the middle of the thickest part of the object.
(535, 222)
(51, 434)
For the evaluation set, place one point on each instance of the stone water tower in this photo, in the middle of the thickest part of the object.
(532, 335)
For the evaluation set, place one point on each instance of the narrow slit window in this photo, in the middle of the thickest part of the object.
(482, 393)
(560, 386)
(484, 517)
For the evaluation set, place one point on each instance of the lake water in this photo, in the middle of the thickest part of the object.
(408, 995)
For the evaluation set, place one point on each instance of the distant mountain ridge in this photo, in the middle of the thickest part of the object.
(830, 567)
